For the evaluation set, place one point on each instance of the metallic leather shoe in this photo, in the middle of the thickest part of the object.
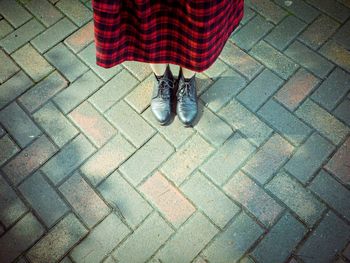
(186, 107)
(162, 95)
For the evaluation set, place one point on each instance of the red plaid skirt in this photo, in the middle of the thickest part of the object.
(188, 33)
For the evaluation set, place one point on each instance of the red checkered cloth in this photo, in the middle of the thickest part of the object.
(189, 33)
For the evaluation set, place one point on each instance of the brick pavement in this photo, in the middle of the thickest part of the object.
(87, 175)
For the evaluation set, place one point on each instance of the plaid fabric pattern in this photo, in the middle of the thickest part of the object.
(189, 33)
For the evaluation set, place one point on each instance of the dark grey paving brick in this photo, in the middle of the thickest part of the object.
(297, 198)
(232, 244)
(285, 32)
(75, 10)
(44, 11)
(66, 62)
(13, 12)
(125, 199)
(332, 192)
(309, 59)
(53, 35)
(8, 147)
(268, 251)
(260, 89)
(309, 157)
(19, 124)
(342, 35)
(331, 8)
(268, 9)
(11, 206)
(342, 111)
(28, 229)
(43, 198)
(300, 9)
(336, 53)
(329, 238)
(333, 89)
(7, 67)
(274, 59)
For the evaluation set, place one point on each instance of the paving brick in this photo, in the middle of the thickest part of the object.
(252, 32)
(240, 60)
(342, 111)
(5, 28)
(168, 199)
(206, 196)
(216, 69)
(186, 159)
(300, 9)
(346, 252)
(88, 55)
(330, 237)
(296, 89)
(125, 199)
(339, 163)
(19, 124)
(267, 251)
(77, 92)
(122, 116)
(29, 159)
(268, 9)
(8, 147)
(274, 59)
(54, 34)
(309, 59)
(75, 10)
(337, 54)
(260, 89)
(35, 97)
(100, 241)
(107, 159)
(21, 35)
(319, 31)
(284, 122)
(231, 244)
(227, 159)
(150, 155)
(188, 240)
(241, 119)
(55, 124)
(322, 121)
(91, 209)
(342, 35)
(68, 159)
(333, 89)
(56, 243)
(92, 123)
(144, 241)
(138, 69)
(245, 191)
(309, 157)
(66, 62)
(297, 198)
(332, 192)
(113, 90)
(331, 8)
(11, 205)
(81, 38)
(44, 11)
(7, 67)
(14, 12)
(285, 32)
(248, 14)
(223, 89)
(43, 198)
(20, 237)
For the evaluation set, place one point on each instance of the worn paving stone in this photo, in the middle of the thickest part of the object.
(5, 28)
(91, 209)
(43, 198)
(101, 240)
(44, 11)
(8, 147)
(267, 251)
(11, 206)
(139, 69)
(342, 35)
(342, 111)
(58, 241)
(309, 157)
(81, 37)
(13, 12)
(336, 53)
(300, 8)
(333, 9)
(75, 10)
(297, 198)
(330, 237)
(322, 121)
(125, 199)
(7, 67)
(168, 199)
(28, 229)
(188, 241)
(232, 244)
(107, 159)
(268, 9)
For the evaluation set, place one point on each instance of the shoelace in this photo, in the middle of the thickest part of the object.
(185, 90)
(164, 87)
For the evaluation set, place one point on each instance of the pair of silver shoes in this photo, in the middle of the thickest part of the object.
(163, 98)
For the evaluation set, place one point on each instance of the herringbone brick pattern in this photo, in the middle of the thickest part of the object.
(87, 174)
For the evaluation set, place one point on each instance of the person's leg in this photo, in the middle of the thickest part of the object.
(188, 73)
(158, 69)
